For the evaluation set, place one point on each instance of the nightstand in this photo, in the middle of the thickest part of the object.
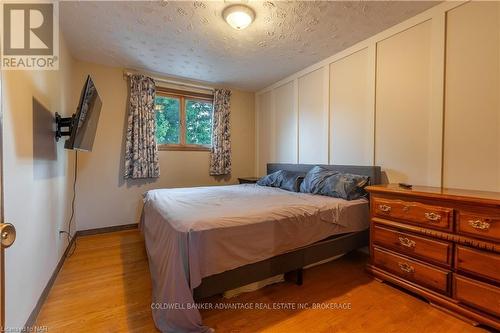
(248, 180)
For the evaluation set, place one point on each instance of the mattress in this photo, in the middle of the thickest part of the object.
(192, 233)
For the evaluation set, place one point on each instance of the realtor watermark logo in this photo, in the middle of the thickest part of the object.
(30, 36)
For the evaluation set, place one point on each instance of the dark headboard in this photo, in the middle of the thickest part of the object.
(373, 172)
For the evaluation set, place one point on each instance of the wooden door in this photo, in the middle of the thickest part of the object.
(7, 231)
(2, 263)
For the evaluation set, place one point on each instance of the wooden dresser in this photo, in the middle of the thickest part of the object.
(442, 244)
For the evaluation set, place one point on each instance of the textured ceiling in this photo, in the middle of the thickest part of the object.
(190, 39)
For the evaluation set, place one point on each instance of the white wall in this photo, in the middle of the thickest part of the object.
(351, 109)
(286, 113)
(265, 127)
(104, 198)
(403, 105)
(386, 105)
(37, 185)
(313, 117)
(472, 121)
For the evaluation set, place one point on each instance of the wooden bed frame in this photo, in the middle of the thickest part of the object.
(297, 259)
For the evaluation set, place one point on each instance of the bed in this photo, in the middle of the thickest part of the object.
(206, 240)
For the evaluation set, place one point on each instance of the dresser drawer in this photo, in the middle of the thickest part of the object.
(480, 295)
(479, 225)
(415, 246)
(480, 263)
(414, 212)
(411, 270)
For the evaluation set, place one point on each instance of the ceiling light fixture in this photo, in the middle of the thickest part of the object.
(238, 16)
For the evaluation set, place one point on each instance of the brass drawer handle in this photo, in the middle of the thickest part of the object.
(478, 224)
(406, 267)
(384, 208)
(432, 217)
(407, 242)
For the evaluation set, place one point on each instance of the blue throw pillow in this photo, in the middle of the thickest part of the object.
(320, 180)
(314, 180)
(345, 185)
(285, 180)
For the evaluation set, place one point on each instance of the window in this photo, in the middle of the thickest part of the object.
(183, 120)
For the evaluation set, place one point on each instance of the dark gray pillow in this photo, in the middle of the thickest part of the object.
(314, 180)
(285, 180)
(345, 185)
(320, 180)
(272, 179)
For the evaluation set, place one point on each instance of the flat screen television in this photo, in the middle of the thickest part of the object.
(85, 120)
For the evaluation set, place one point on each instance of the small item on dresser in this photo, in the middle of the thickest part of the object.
(405, 185)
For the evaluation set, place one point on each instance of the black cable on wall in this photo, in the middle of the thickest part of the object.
(71, 219)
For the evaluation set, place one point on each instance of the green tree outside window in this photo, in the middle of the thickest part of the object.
(167, 120)
(198, 121)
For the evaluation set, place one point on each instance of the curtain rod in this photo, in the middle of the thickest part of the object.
(179, 83)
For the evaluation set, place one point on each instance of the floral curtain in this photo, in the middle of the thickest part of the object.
(220, 154)
(141, 152)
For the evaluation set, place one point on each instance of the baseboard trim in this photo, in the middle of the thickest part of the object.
(45, 293)
(104, 230)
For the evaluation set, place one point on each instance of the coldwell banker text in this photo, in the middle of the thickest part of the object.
(30, 36)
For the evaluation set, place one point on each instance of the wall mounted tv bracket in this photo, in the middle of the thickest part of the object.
(61, 123)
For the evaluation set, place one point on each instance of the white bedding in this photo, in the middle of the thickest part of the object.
(192, 233)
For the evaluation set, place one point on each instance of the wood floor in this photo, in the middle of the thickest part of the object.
(105, 287)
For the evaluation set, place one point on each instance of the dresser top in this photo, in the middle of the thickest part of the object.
(439, 192)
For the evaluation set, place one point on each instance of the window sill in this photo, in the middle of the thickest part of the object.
(183, 148)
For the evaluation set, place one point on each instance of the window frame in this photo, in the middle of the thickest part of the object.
(182, 96)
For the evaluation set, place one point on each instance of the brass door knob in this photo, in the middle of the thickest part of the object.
(7, 234)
